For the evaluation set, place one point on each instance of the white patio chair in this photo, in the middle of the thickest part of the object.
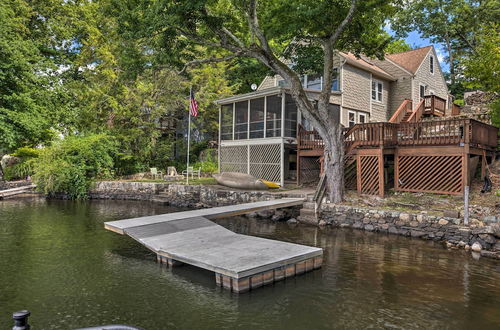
(155, 174)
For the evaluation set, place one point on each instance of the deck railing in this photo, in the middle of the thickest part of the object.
(481, 134)
(400, 113)
(431, 133)
(434, 105)
(309, 139)
(418, 112)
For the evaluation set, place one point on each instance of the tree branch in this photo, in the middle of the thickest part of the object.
(334, 37)
(209, 60)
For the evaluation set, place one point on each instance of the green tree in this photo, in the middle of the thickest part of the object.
(70, 165)
(306, 33)
(397, 46)
(452, 23)
(34, 49)
(482, 67)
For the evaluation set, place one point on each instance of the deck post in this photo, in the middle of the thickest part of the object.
(381, 172)
(396, 170)
(466, 205)
(358, 170)
(282, 177)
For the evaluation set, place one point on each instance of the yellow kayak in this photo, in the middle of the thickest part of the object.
(270, 184)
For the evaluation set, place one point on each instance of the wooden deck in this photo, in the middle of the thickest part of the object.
(240, 262)
(425, 156)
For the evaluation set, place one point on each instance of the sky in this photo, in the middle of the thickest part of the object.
(416, 41)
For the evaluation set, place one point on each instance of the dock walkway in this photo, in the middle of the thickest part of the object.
(16, 191)
(240, 262)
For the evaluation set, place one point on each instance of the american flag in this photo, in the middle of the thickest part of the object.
(193, 105)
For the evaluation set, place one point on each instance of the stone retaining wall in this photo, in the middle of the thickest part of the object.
(482, 238)
(126, 190)
(478, 236)
(181, 195)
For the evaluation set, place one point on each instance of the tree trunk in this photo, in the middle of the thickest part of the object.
(334, 163)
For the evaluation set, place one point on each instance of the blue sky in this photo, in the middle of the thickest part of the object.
(416, 41)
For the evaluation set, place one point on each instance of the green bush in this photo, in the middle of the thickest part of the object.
(206, 167)
(19, 171)
(209, 164)
(69, 166)
(24, 168)
(26, 153)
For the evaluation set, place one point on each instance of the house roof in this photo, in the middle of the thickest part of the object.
(366, 64)
(410, 60)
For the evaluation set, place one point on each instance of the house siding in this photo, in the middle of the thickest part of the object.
(356, 88)
(268, 82)
(379, 110)
(434, 82)
(398, 90)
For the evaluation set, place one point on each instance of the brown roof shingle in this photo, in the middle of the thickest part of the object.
(410, 60)
(365, 63)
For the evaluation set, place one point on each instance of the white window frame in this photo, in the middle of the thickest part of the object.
(432, 64)
(361, 114)
(420, 89)
(348, 121)
(336, 78)
(378, 97)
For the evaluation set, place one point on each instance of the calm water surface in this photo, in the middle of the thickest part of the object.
(57, 261)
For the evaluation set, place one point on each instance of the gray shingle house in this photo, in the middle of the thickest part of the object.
(259, 130)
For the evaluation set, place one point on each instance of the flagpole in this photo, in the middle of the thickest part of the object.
(189, 134)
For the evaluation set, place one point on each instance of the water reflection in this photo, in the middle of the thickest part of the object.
(58, 261)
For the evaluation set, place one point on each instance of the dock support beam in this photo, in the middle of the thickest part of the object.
(168, 261)
(244, 284)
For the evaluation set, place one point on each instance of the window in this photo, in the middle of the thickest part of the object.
(241, 121)
(226, 132)
(431, 64)
(257, 118)
(335, 82)
(423, 89)
(377, 87)
(290, 117)
(314, 82)
(273, 116)
(351, 116)
(362, 118)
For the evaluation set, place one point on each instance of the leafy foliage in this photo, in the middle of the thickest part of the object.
(33, 47)
(482, 67)
(69, 166)
(397, 46)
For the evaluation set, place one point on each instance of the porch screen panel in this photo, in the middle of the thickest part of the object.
(226, 132)
(290, 117)
(273, 119)
(265, 161)
(234, 159)
(241, 121)
(257, 118)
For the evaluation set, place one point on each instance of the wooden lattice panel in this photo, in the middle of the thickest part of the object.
(369, 175)
(350, 173)
(265, 161)
(436, 174)
(234, 159)
(310, 168)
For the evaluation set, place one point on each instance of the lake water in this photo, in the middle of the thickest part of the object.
(57, 261)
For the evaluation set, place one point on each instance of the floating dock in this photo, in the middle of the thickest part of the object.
(240, 262)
